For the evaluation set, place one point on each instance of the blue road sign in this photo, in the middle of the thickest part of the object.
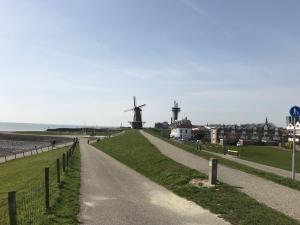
(295, 111)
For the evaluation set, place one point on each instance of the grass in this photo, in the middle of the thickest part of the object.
(66, 207)
(135, 151)
(266, 175)
(26, 177)
(269, 156)
(15, 174)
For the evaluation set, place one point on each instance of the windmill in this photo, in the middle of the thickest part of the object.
(137, 122)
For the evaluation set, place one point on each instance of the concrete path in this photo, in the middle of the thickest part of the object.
(281, 198)
(113, 194)
(270, 169)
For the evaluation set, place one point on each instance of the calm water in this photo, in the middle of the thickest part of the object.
(30, 126)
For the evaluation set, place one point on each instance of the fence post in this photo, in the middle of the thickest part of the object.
(23, 154)
(58, 171)
(12, 208)
(47, 202)
(15, 155)
(67, 159)
(5, 158)
(64, 162)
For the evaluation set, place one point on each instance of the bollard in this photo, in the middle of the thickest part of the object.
(58, 171)
(47, 195)
(5, 158)
(64, 162)
(15, 156)
(12, 208)
(213, 171)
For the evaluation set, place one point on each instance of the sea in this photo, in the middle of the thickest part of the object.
(7, 126)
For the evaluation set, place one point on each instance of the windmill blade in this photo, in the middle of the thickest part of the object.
(127, 110)
(134, 103)
(141, 106)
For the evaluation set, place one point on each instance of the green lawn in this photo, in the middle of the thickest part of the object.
(236, 207)
(192, 148)
(26, 177)
(271, 156)
(15, 174)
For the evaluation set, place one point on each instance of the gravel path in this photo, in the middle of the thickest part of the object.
(113, 194)
(270, 169)
(281, 198)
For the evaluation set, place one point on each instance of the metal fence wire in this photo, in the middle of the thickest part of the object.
(3, 210)
(31, 201)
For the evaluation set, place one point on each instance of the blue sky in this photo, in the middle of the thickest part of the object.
(80, 62)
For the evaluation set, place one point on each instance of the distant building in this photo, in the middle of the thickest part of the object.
(248, 133)
(181, 129)
(163, 125)
(290, 131)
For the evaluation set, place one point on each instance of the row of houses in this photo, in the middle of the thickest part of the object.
(266, 133)
(262, 133)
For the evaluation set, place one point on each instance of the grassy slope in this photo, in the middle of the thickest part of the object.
(16, 174)
(270, 176)
(136, 152)
(265, 155)
(21, 173)
(66, 208)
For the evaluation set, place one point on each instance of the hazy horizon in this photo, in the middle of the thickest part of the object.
(81, 62)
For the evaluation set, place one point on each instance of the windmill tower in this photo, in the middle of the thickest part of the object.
(137, 122)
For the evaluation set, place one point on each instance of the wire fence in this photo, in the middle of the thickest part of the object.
(28, 206)
(11, 154)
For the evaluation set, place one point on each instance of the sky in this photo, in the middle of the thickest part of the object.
(81, 62)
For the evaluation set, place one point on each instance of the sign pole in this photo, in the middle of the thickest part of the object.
(294, 150)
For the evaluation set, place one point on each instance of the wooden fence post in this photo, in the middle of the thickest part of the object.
(58, 171)
(67, 159)
(12, 208)
(47, 196)
(64, 162)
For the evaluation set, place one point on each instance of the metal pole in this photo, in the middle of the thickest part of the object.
(294, 150)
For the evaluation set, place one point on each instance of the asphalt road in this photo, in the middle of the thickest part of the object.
(113, 194)
(279, 197)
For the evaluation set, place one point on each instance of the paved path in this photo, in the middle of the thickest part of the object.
(270, 169)
(281, 198)
(113, 194)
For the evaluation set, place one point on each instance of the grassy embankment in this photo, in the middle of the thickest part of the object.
(22, 174)
(266, 175)
(66, 207)
(135, 151)
(270, 156)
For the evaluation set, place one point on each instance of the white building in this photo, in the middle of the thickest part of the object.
(290, 129)
(181, 129)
